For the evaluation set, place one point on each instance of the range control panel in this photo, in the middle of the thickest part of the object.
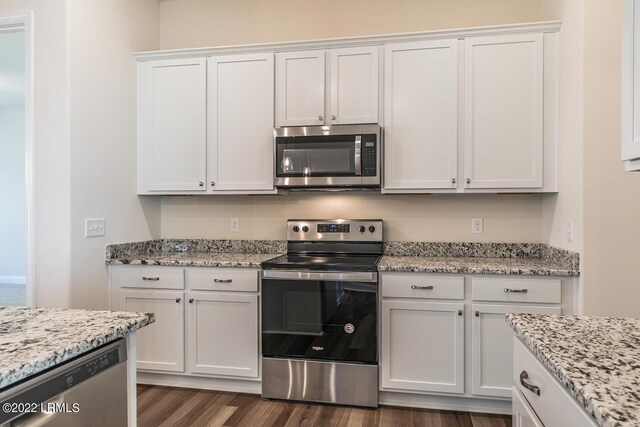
(351, 230)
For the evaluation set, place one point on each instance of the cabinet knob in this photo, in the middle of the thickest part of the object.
(201, 184)
(178, 299)
(333, 117)
(190, 300)
(453, 180)
(320, 118)
(213, 183)
(459, 312)
(477, 313)
(468, 180)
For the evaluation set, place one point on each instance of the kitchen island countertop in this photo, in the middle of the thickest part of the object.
(35, 339)
(596, 359)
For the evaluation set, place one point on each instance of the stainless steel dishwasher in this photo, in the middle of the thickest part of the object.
(90, 390)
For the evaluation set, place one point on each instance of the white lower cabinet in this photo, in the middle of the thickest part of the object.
(159, 345)
(222, 334)
(217, 335)
(523, 414)
(492, 347)
(422, 346)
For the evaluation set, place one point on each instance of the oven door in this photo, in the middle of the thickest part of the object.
(320, 315)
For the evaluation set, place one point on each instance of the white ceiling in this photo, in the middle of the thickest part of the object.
(11, 68)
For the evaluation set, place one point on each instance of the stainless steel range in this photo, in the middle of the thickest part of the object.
(319, 314)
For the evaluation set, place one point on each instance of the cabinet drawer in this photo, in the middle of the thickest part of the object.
(147, 277)
(516, 290)
(422, 286)
(554, 406)
(222, 279)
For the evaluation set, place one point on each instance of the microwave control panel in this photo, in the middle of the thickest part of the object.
(369, 157)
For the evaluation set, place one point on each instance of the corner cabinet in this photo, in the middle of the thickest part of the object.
(205, 125)
(351, 98)
(631, 85)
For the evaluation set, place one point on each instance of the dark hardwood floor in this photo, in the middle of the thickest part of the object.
(166, 406)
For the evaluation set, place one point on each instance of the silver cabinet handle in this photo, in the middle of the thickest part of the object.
(428, 288)
(477, 313)
(517, 291)
(178, 299)
(222, 280)
(459, 312)
(468, 180)
(213, 183)
(190, 300)
(320, 118)
(333, 117)
(453, 180)
(201, 184)
(532, 388)
(150, 279)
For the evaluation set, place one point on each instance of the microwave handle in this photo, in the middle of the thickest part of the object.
(357, 155)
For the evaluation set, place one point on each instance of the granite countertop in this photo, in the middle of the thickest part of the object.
(196, 259)
(35, 339)
(597, 359)
(475, 265)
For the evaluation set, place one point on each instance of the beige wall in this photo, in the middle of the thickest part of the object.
(52, 171)
(198, 23)
(103, 36)
(514, 218)
(612, 196)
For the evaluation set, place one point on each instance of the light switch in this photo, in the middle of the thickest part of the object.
(94, 227)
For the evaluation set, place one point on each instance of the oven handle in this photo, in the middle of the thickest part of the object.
(323, 275)
(357, 155)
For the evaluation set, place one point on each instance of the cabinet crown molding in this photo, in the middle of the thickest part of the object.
(530, 27)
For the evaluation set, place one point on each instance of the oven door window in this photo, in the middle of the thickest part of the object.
(315, 156)
(322, 320)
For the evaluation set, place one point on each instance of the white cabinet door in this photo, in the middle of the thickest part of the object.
(300, 88)
(223, 334)
(631, 85)
(422, 346)
(421, 113)
(492, 347)
(160, 346)
(172, 114)
(523, 414)
(240, 149)
(503, 132)
(353, 79)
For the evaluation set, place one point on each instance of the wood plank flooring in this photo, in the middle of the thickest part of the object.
(167, 406)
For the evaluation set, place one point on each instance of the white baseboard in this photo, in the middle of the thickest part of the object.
(13, 280)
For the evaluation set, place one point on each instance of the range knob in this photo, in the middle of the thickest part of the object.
(372, 228)
(362, 228)
(296, 228)
(305, 229)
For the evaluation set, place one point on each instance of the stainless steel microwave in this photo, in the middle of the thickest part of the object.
(326, 157)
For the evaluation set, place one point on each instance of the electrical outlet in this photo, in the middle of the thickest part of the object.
(94, 227)
(234, 224)
(476, 226)
(569, 231)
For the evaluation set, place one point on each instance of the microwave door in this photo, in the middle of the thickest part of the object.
(318, 159)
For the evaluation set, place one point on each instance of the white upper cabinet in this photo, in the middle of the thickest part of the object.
(631, 85)
(353, 82)
(240, 137)
(503, 111)
(172, 125)
(421, 115)
(352, 96)
(300, 84)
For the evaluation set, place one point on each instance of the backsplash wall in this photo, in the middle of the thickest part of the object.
(443, 218)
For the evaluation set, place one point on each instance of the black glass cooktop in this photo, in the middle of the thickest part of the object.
(324, 262)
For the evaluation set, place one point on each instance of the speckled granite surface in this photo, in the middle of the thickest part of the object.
(433, 257)
(196, 259)
(35, 339)
(475, 265)
(597, 359)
